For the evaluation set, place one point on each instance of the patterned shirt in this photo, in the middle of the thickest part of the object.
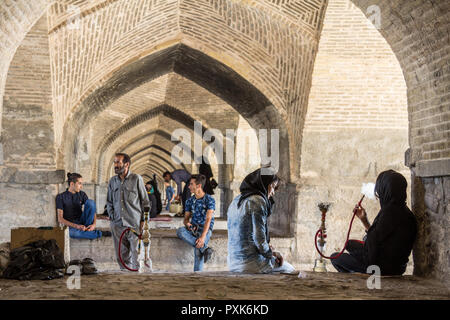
(198, 208)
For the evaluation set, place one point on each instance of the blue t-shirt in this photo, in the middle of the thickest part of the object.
(198, 208)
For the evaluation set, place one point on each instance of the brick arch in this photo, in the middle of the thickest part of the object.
(18, 18)
(418, 34)
(145, 156)
(157, 147)
(159, 158)
(146, 135)
(201, 69)
(164, 109)
(154, 168)
(160, 133)
(415, 38)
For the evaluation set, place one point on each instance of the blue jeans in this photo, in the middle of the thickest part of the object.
(169, 195)
(185, 235)
(86, 219)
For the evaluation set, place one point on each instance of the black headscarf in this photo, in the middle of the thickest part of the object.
(391, 236)
(390, 188)
(257, 184)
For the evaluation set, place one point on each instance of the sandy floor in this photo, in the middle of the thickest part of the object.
(224, 285)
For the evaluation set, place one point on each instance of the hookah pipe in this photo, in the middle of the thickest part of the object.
(321, 232)
(145, 237)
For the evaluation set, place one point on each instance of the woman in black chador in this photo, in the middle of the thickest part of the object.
(390, 238)
(205, 169)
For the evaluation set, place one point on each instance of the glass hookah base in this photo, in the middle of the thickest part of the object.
(320, 265)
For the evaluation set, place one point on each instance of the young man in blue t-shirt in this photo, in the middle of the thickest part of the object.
(197, 231)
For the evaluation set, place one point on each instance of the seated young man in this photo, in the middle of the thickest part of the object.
(390, 238)
(197, 231)
(69, 204)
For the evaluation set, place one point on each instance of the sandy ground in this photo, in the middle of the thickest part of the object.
(224, 285)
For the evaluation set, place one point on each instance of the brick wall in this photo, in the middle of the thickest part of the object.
(254, 42)
(27, 131)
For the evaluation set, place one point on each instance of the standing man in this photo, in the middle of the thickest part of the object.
(69, 204)
(126, 202)
(179, 176)
(197, 232)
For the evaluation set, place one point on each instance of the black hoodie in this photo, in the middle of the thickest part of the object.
(391, 236)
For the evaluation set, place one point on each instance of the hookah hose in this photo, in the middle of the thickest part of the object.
(319, 232)
(120, 253)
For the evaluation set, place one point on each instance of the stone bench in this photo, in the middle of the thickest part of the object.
(167, 251)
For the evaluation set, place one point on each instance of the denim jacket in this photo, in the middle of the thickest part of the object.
(126, 200)
(248, 247)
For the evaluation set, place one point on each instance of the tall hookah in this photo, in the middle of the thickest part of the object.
(145, 264)
(320, 264)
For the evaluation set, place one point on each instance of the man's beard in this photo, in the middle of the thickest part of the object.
(119, 170)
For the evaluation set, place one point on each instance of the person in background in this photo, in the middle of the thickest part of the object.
(152, 199)
(179, 176)
(390, 238)
(81, 223)
(170, 194)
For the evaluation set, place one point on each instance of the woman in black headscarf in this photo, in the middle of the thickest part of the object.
(390, 238)
(248, 232)
(205, 169)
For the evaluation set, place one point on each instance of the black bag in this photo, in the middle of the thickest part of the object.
(38, 260)
(214, 183)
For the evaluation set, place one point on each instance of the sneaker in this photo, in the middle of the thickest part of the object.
(208, 254)
(106, 233)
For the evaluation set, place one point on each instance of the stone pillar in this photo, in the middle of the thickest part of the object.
(226, 194)
(27, 199)
(101, 191)
(430, 203)
(283, 220)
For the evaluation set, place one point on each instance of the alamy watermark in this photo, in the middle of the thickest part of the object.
(268, 140)
(374, 15)
(74, 280)
(374, 281)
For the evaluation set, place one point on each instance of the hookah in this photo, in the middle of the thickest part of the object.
(319, 264)
(319, 238)
(144, 237)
